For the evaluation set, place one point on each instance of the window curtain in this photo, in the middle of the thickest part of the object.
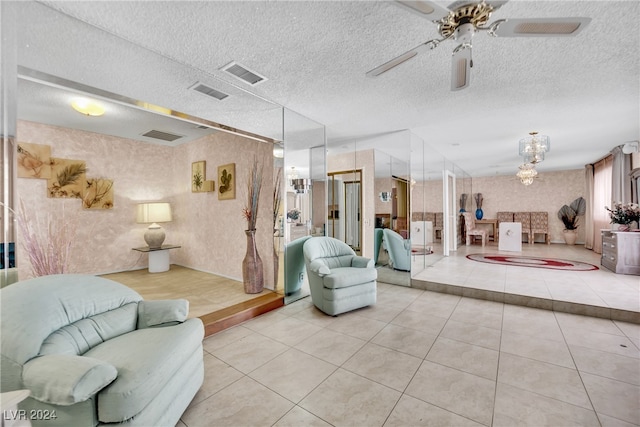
(620, 181)
(589, 229)
(602, 190)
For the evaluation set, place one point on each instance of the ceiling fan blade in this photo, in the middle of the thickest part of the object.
(427, 9)
(399, 59)
(541, 27)
(461, 67)
(495, 4)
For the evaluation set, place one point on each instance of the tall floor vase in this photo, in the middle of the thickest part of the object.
(252, 272)
(276, 259)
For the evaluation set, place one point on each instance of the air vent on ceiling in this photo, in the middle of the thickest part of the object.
(165, 136)
(209, 91)
(202, 127)
(243, 73)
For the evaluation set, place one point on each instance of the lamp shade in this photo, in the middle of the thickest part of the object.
(153, 212)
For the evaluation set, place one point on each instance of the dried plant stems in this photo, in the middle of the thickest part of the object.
(254, 186)
(277, 196)
(48, 253)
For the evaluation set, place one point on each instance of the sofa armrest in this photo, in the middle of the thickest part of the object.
(361, 262)
(320, 268)
(162, 312)
(63, 379)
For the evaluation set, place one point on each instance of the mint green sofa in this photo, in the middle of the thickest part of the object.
(339, 280)
(93, 352)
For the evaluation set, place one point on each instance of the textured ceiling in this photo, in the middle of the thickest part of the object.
(583, 91)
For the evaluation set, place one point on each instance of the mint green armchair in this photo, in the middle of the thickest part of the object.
(377, 243)
(93, 353)
(294, 268)
(399, 250)
(339, 280)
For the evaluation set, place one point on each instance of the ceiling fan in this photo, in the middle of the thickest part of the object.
(462, 19)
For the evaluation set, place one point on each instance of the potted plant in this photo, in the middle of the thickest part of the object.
(569, 217)
(624, 215)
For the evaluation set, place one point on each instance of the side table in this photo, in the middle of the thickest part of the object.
(158, 257)
(11, 415)
(493, 222)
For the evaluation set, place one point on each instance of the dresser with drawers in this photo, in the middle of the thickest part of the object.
(621, 251)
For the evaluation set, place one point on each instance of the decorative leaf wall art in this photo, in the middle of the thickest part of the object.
(34, 160)
(68, 178)
(98, 194)
(227, 182)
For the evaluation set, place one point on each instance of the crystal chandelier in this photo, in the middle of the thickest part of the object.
(300, 185)
(533, 147)
(527, 173)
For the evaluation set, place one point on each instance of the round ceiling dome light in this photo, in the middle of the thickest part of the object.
(87, 107)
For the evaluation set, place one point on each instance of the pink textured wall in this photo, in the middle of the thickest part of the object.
(210, 231)
(549, 192)
(505, 193)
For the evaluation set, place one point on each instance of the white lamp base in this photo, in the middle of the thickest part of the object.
(154, 236)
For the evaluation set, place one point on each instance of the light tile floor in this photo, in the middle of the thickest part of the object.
(598, 292)
(421, 358)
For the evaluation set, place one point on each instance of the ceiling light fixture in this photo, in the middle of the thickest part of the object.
(278, 151)
(87, 107)
(533, 147)
(527, 173)
(300, 185)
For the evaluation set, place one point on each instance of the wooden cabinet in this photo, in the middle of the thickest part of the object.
(621, 251)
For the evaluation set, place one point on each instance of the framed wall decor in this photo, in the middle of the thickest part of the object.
(98, 194)
(198, 176)
(227, 182)
(68, 179)
(34, 161)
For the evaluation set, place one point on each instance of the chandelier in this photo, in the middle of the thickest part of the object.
(533, 147)
(300, 185)
(527, 173)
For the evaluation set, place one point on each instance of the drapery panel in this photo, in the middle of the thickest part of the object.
(602, 196)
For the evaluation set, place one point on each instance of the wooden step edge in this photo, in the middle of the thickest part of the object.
(238, 313)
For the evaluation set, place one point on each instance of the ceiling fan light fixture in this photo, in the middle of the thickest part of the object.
(88, 107)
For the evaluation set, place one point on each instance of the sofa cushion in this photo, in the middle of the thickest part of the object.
(33, 309)
(162, 312)
(145, 359)
(84, 334)
(349, 276)
(64, 380)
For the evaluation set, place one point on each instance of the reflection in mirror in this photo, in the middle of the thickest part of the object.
(427, 219)
(344, 206)
(304, 203)
(392, 244)
(220, 133)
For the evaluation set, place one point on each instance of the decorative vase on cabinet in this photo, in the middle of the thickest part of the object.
(479, 213)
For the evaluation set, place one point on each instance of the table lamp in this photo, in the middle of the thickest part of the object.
(154, 213)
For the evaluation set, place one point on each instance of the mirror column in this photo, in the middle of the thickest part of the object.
(8, 125)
